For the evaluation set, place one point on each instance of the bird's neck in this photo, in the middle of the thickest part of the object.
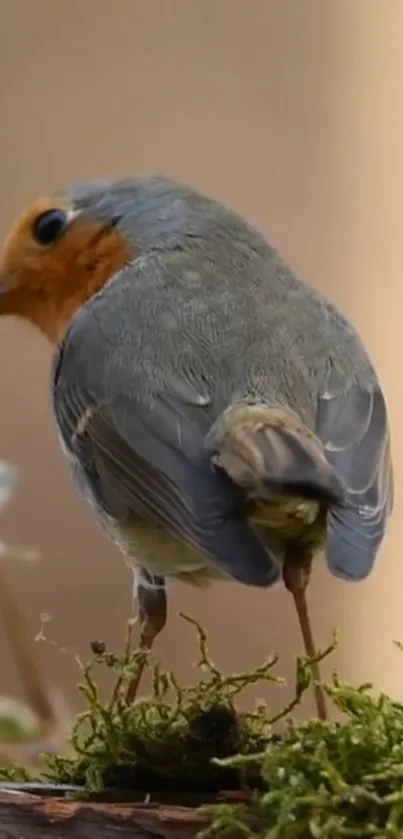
(52, 321)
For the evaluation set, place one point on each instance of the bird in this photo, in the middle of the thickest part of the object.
(221, 417)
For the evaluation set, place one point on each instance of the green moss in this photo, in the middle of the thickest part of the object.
(165, 742)
(322, 780)
(329, 780)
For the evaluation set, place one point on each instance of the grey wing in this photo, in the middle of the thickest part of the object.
(353, 425)
(145, 457)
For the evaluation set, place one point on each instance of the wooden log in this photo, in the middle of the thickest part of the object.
(25, 816)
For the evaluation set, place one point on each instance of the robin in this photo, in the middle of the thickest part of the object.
(221, 417)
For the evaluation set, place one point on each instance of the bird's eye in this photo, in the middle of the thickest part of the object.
(48, 226)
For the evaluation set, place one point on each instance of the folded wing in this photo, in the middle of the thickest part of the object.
(353, 425)
(145, 457)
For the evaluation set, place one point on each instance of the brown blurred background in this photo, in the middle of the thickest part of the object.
(291, 111)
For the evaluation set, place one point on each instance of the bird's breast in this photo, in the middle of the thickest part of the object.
(143, 543)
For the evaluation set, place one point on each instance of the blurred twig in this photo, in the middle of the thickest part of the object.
(22, 647)
(51, 716)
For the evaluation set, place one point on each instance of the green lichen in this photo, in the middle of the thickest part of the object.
(322, 780)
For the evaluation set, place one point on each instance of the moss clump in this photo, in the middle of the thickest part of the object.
(167, 741)
(328, 780)
(321, 780)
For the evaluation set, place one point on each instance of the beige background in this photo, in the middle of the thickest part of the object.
(290, 111)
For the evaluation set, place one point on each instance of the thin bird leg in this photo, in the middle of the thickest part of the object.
(152, 606)
(296, 575)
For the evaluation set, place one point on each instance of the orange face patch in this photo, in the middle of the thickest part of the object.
(47, 283)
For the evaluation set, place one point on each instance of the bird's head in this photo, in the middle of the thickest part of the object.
(60, 251)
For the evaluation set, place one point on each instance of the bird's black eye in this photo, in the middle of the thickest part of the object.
(48, 226)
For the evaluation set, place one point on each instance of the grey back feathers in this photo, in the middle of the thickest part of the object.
(205, 316)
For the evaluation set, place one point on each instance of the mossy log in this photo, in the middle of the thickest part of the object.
(25, 816)
(144, 770)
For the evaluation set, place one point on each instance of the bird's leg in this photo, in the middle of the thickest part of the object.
(152, 606)
(296, 575)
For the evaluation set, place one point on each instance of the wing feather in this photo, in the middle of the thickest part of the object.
(353, 425)
(146, 457)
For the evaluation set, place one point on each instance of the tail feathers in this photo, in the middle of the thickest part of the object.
(268, 451)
